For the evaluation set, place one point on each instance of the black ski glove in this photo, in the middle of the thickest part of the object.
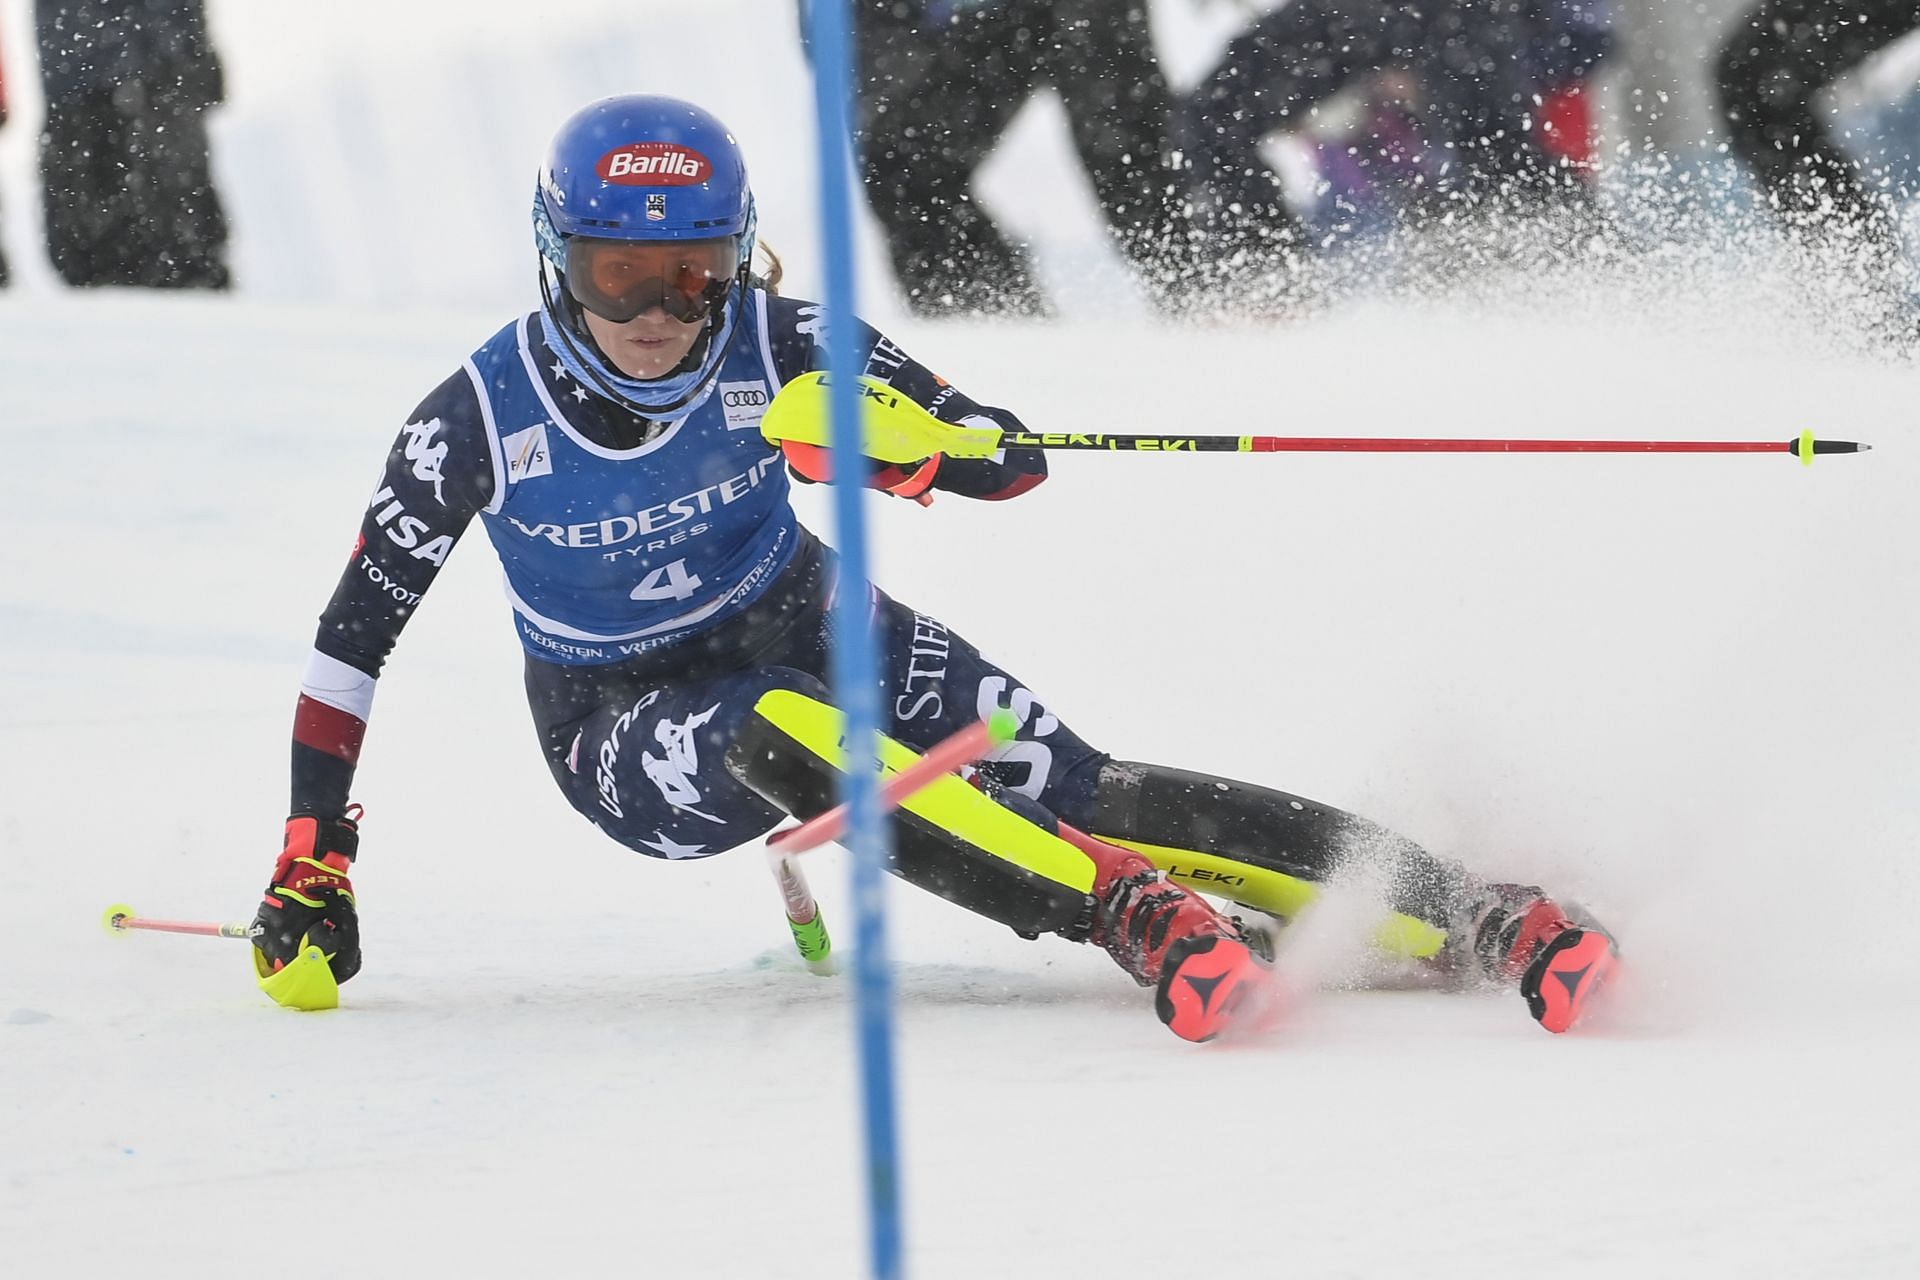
(310, 899)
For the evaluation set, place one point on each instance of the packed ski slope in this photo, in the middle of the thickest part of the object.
(1682, 689)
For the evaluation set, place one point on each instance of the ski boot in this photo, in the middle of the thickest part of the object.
(1558, 957)
(1205, 968)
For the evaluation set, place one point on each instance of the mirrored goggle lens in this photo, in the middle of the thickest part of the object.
(618, 280)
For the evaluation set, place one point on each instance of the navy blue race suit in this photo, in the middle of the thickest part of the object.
(660, 584)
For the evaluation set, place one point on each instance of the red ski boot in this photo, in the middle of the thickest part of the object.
(1202, 963)
(1559, 961)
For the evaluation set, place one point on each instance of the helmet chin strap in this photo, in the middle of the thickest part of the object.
(571, 330)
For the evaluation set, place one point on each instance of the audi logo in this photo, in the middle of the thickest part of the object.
(744, 399)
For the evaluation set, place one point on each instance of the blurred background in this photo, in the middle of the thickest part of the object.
(329, 201)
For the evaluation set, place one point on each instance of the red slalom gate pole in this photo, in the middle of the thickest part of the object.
(962, 748)
(810, 936)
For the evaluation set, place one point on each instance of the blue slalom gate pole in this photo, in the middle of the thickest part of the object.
(856, 682)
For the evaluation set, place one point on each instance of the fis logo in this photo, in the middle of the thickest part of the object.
(654, 164)
(745, 404)
(527, 453)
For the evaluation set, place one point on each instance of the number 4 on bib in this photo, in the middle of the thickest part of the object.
(668, 582)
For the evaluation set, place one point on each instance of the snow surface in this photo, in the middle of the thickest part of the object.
(1680, 688)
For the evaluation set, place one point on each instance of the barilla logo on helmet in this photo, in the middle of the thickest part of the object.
(654, 164)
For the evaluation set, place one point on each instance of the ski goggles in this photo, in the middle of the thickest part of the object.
(620, 279)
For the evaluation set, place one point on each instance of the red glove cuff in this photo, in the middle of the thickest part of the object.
(901, 482)
(815, 462)
(809, 461)
(333, 842)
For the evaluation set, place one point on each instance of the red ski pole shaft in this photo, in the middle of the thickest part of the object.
(1365, 444)
(962, 748)
(121, 919)
(1804, 447)
(899, 430)
(203, 928)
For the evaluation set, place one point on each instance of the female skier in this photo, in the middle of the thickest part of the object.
(675, 617)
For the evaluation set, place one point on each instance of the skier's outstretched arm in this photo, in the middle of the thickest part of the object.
(439, 473)
(798, 341)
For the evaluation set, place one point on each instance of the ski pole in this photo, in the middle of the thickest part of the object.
(899, 430)
(121, 919)
(1804, 447)
(809, 927)
(306, 982)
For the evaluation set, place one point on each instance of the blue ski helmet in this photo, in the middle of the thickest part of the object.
(641, 167)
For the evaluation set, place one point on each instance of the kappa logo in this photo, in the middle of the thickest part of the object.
(654, 164)
(426, 456)
(811, 322)
(673, 772)
(527, 453)
(745, 404)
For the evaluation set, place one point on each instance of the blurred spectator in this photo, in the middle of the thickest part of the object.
(1411, 109)
(1777, 61)
(938, 83)
(129, 187)
(3, 123)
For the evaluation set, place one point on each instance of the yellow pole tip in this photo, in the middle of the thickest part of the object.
(1002, 725)
(114, 920)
